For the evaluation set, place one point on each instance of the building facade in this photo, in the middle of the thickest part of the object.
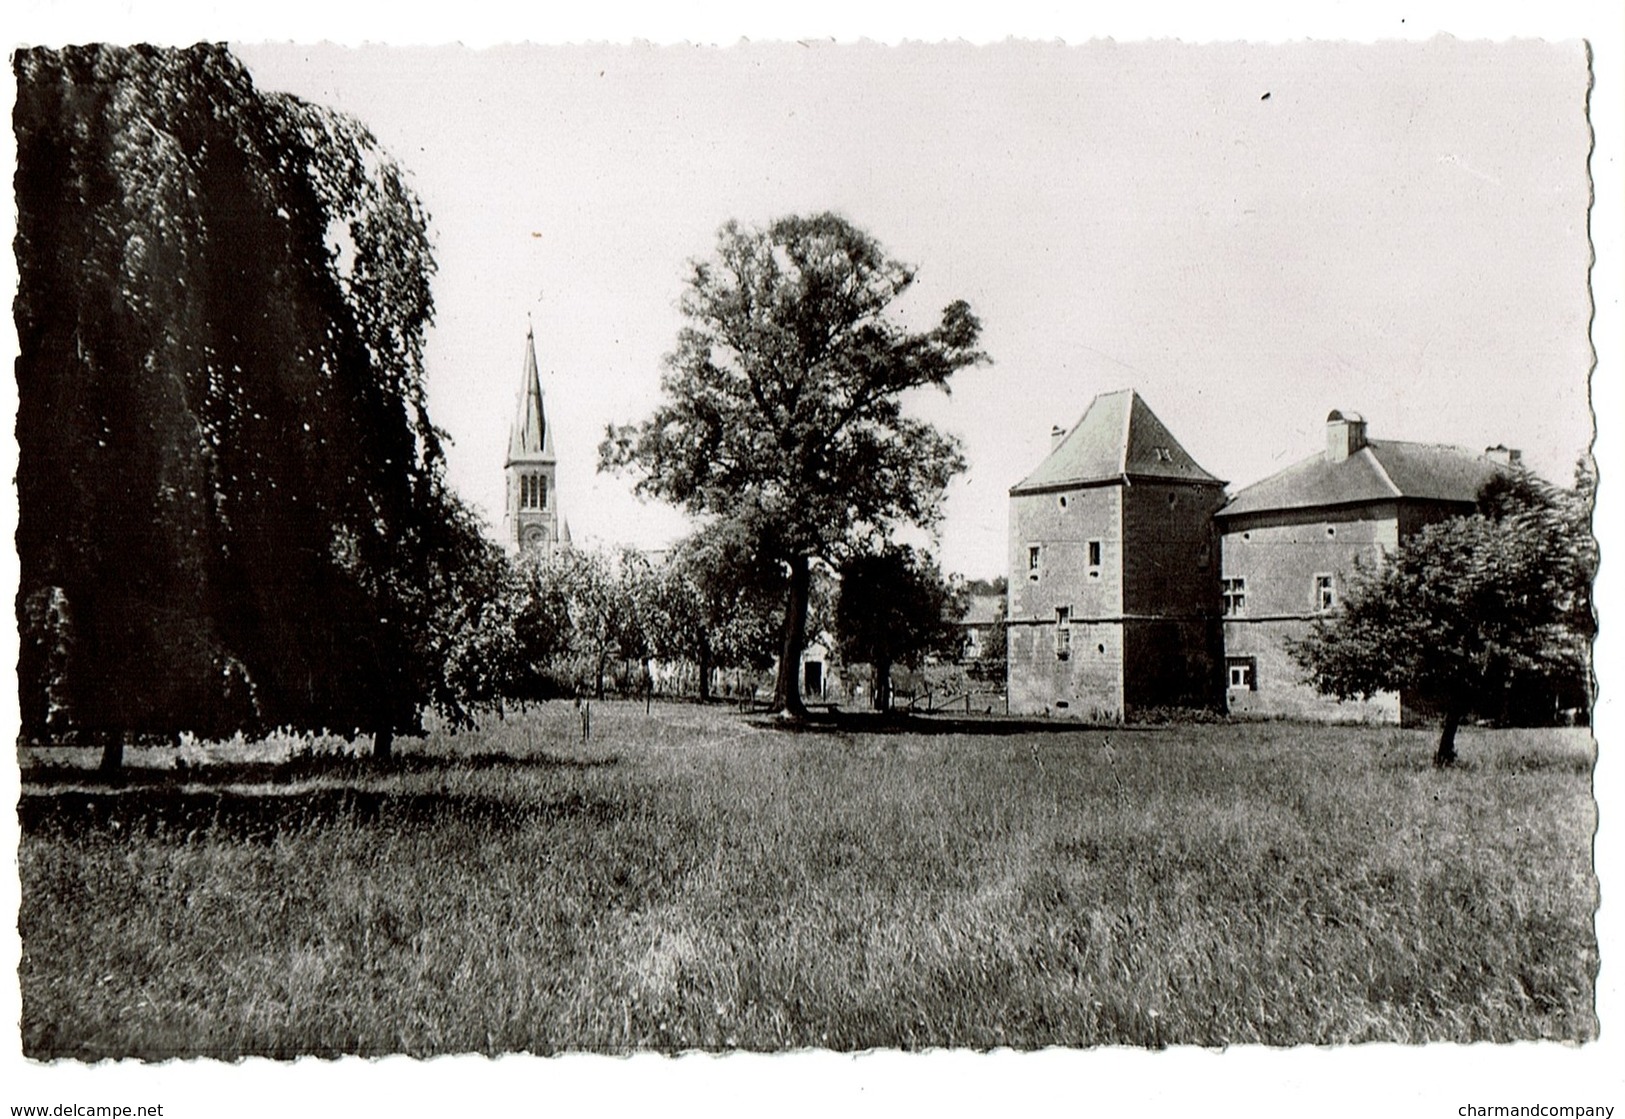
(1289, 542)
(1113, 603)
(531, 520)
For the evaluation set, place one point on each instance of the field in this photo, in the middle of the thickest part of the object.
(692, 878)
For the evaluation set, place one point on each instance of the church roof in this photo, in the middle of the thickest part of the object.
(530, 439)
(1118, 437)
(1382, 470)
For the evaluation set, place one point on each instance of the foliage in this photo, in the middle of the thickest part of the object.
(1469, 613)
(712, 602)
(894, 608)
(782, 411)
(689, 880)
(232, 510)
(581, 610)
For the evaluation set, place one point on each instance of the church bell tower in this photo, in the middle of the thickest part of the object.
(532, 517)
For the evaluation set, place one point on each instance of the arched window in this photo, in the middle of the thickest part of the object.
(532, 491)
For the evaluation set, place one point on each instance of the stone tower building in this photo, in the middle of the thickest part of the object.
(1114, 595)
(531, 521)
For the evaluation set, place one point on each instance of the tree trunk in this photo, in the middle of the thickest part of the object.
(1445, 755)
(383, 744)
(705, 671)
(787, 688)
(883, 685)
(112, 753)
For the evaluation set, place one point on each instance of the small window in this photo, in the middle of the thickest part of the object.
(1243, 673)
(1235, 595)
(1032, 561)
(1094, 553)
(1325, 593)
(1063, 632)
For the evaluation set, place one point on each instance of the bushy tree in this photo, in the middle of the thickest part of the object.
(1472, 611)
(712, 603)
(581, 611)
(782, 412)
(232, 513)
(895, 608)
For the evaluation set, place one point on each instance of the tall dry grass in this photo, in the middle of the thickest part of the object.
(690, 879)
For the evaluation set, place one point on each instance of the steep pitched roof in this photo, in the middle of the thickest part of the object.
(1119, 436)
(1382, 470)
(530, 439)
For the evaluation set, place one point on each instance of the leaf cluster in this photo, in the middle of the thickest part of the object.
(1470, 609)
(783, 398)
(895, 607)
(232, 508)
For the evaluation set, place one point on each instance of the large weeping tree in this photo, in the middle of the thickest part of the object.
(232, 510)
(782, 411)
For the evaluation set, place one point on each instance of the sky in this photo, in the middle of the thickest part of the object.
(1250, 235)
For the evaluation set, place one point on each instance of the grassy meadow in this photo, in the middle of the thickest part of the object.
(694, 878)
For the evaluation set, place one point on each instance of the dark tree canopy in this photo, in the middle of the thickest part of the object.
(1474, 614)
(232, 511)
(712, 602)
(894, 607)
(783, 409)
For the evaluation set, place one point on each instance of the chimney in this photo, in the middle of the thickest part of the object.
(1504, 455)
(1345, 434)
(1056, 435)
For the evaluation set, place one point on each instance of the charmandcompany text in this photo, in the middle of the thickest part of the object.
(1535, 1111)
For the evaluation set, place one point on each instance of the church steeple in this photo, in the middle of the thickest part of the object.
(530, 439)
(532, 519)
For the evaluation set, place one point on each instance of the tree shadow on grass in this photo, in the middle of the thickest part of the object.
(259, 817)
(299, 768)
(900, 722)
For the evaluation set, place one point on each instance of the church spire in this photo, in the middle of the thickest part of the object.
(532, 517)
(530, 439)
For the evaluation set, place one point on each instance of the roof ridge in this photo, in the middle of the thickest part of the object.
(1128, 432)
(1371, 452)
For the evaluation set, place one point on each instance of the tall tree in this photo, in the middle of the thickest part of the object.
(895, 607)
(232, 509)
(783, 412)
(1472, 612)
